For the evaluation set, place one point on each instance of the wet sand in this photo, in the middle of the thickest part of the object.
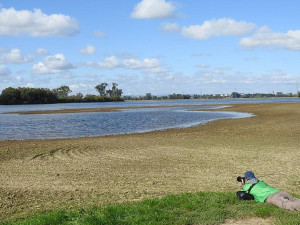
(40, 175)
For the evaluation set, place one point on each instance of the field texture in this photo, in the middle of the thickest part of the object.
(41, 175)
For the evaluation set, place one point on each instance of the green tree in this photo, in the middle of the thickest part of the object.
(148, 96)
(11, 96)
(101, 88)
(62, 92)
(235, 95)
(36, 95)
(115, 92)
(79, 95)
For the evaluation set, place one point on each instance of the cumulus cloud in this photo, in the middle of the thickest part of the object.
(203, 65)
(281, 77)
(19, 78)
(29, 85)
(220, 27)
(42, 51)
(137, 64)
(148, 65)
(88, 50)
(153, 9)
(264, 37)
(112, 62)
(100, 34)
(52, 64)
(36, 23)
(169, 27)
(4, 71)
(80, 86)
(14, 56)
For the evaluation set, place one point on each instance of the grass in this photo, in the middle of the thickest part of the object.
(198, 208)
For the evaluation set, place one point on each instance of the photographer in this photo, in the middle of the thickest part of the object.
(265, 193)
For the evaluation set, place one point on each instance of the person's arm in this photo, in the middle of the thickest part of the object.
(242, 183)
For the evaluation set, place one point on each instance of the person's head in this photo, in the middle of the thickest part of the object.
(249, 175)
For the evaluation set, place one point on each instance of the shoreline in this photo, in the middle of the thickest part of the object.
(41, 175)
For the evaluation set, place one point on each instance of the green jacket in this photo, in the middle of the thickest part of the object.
(261, 191)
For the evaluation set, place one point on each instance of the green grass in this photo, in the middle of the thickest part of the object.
(199, 208)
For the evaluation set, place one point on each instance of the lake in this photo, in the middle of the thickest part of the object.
(72, 125)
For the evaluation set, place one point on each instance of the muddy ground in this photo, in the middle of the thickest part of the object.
(41, 175)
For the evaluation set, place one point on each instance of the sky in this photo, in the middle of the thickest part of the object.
(151, 46)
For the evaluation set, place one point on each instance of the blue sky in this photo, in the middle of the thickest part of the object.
(156, 46)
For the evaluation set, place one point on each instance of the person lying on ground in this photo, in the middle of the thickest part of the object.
(253, 188)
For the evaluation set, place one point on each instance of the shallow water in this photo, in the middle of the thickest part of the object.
(71, 125)
(16, 108)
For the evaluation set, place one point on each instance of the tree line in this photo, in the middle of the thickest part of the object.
(149, 96)
(26, 95)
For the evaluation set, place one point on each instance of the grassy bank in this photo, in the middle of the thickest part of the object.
(198, 208)
(41, 176)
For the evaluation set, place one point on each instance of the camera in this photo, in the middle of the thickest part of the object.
(240, 179)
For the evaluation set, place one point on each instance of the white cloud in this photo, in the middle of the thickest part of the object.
(2, 50)
(36, 23)
(169, 27)
(203, 65)
(137, 64)
(113, 62)
(29, 85)
(52, 64)
(201, 54)
(14, 56)
(110, 62)
(4, 71)
(153, 9)
(100, 34)
(19, 78)
(42, 51)
(281, 77)
(75, 87)
(220, 27)
(264, 37)
(156, 70)
(88, 50)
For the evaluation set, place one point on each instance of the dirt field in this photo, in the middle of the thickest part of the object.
(40, 175)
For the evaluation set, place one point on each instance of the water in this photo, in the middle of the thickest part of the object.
(15, 108)
(71, 125)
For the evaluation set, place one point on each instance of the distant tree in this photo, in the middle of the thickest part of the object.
(235, 95)
(79, 95)
(62, 92)
(25, 95)
(298, 94)
(148, 96)
(187, 96)
(115, 92)
(11, 96)
(109, 92)
(37, 95)
(101, 88)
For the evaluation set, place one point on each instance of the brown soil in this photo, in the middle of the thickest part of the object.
(39, 175)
